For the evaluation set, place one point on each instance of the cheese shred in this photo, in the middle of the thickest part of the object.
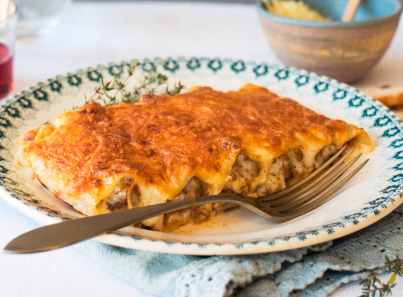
(294, 9)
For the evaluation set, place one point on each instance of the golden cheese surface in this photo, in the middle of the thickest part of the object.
(163, 141)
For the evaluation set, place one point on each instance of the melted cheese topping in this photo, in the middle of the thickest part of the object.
(160, 143)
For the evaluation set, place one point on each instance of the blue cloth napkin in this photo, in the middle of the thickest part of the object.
(312, 271)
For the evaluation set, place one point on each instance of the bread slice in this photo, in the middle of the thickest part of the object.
(390, 95)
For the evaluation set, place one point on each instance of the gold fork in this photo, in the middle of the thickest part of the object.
(290, 203)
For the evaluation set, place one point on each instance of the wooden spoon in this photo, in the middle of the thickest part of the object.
(350, 10)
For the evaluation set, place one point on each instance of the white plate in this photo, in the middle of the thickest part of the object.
(371, 195)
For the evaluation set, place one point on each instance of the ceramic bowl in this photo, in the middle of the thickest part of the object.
(345, 51)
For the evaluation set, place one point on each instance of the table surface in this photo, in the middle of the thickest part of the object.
(95, 33)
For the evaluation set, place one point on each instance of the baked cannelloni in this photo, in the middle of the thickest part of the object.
(204, 142)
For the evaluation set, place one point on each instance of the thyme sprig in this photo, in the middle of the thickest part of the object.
(116, 90)
(372, 286)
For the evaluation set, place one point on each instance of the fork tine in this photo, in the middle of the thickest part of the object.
(317, 201)
(295, 189)
(317, 186)
(323, 188)
(321, 198)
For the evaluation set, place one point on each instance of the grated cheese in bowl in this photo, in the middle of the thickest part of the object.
(294, 9)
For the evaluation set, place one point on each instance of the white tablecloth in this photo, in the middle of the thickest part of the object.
(94, 33)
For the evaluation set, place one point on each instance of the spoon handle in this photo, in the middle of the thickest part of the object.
(350, 10)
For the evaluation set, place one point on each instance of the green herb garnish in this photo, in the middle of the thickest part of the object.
(116, 90)
(372, 286)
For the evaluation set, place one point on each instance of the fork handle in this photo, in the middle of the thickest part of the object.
(73, 231)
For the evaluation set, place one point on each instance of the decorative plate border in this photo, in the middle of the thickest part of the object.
(387, 124)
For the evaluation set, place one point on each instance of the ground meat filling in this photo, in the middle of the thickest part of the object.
(198, 214)
(325, 154)
(118, 199)
(195, 187)
(135, 197)
(289, 166)
(240, 181)
(246, 170)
